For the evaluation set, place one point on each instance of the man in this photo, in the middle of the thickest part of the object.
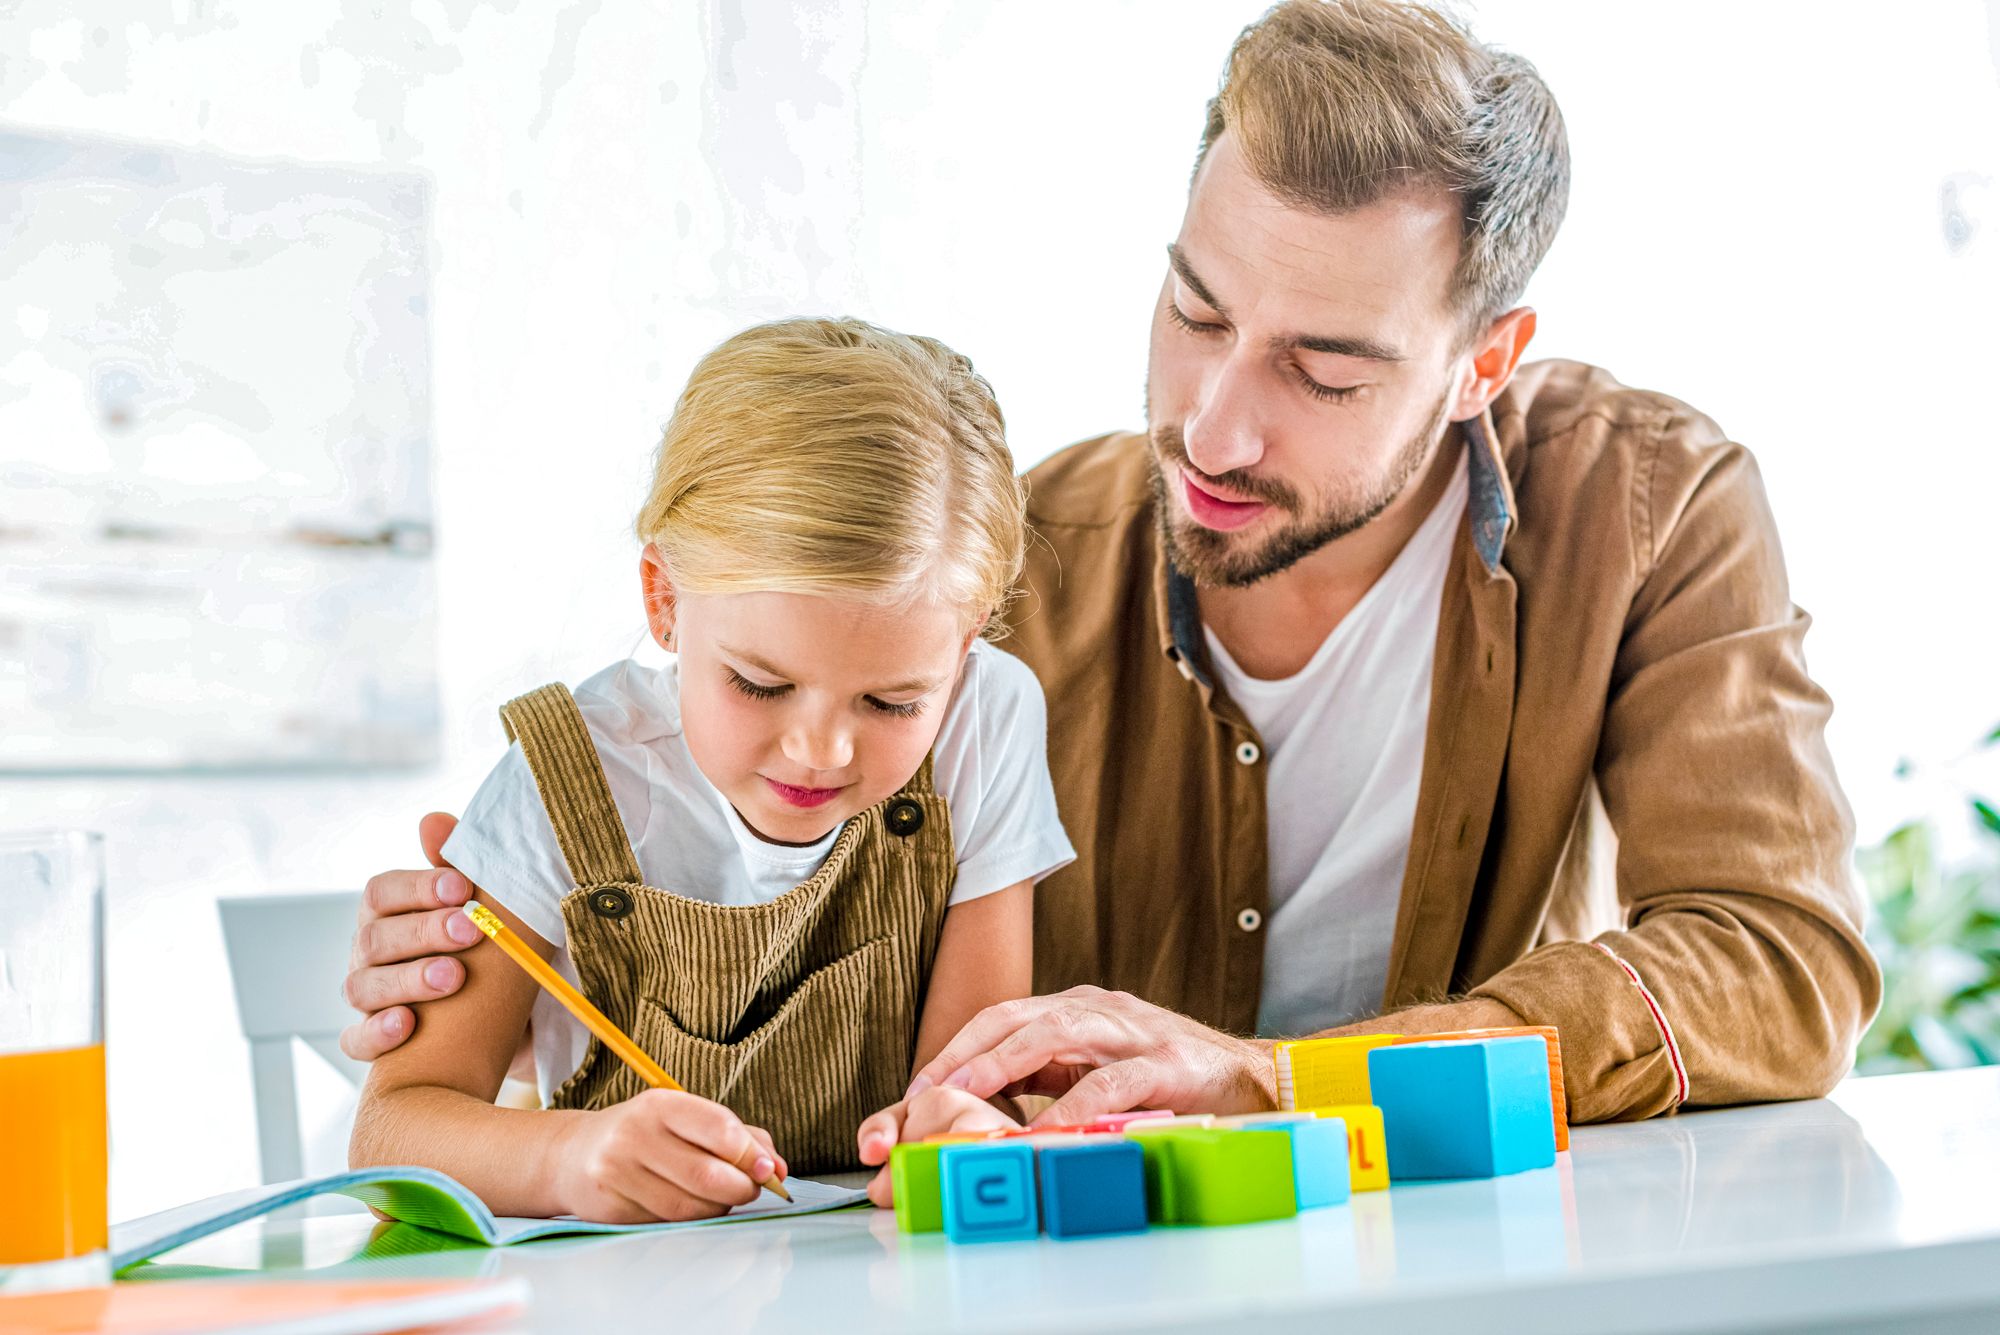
(1395, 686)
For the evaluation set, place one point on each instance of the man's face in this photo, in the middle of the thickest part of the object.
(1300, 370)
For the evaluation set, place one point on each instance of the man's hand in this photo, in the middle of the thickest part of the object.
(407, 918)
(1102, 1052)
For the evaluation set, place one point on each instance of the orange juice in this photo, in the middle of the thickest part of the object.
(52, 1154)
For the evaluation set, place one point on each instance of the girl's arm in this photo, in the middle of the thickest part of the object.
(662, 1155)
(986, 955)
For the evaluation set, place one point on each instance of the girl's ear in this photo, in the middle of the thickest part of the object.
(978, 628)
(656, 585)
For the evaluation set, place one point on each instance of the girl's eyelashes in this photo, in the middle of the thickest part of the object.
(744, 686)
(750, 688)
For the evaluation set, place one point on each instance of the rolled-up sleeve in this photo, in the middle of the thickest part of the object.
(1741, 975)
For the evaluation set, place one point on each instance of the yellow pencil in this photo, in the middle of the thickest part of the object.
(591, 1018)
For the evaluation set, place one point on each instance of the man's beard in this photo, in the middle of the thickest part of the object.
(1210, 558)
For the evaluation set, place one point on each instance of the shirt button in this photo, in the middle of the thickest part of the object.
(1247, 754)
(1249, 920)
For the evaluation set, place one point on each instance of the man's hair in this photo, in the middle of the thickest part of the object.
(1336, 104)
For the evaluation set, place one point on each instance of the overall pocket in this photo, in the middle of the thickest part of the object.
(836, 1050)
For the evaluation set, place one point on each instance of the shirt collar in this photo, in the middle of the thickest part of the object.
(1489, 514)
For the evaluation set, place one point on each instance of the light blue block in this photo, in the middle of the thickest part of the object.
(1319, 1160)
(1464, 1108)
(988, 1192)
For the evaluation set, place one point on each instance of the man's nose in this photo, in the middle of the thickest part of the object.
(1224, 432)
(819, 745)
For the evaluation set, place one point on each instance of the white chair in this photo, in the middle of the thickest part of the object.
(287, 956)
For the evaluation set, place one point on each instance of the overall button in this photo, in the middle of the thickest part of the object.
(610, 902)
(1249, 920)
(904, 817)
(1247, 753)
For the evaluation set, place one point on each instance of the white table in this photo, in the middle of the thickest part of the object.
(1875, 1210)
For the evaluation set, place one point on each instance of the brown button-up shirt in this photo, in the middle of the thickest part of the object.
(1628, 824)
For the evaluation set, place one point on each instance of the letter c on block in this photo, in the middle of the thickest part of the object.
(991, 1191)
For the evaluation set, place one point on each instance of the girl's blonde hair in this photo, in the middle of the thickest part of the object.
(833, 457)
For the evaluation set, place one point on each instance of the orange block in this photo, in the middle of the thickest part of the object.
(1367, 1150)
(1546, 1032)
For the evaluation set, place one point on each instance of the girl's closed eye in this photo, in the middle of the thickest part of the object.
(742, 684)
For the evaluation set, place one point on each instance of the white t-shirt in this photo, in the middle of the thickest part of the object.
(1344, 753)
(990, 765)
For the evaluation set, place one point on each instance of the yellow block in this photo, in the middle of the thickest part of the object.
(1367, 1151)
(1315, 1072)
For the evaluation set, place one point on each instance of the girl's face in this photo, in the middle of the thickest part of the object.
(802, 709)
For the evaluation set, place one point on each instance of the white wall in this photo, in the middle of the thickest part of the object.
(1757, 226)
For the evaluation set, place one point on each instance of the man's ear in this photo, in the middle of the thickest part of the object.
(1493, 357)
(656, 585)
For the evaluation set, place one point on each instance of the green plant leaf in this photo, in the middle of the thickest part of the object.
(1987, 815)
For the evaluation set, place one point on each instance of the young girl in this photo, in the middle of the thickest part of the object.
(794, 861)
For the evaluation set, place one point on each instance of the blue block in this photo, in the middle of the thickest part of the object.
(1097, 1188)
(988, 1192)
(1319, 1160)
(1477, 1108)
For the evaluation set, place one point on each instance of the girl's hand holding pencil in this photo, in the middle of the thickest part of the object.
(663, 1154)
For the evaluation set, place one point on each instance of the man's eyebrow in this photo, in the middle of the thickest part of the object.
(1367, 349)
(923, 684)
(1195, 285)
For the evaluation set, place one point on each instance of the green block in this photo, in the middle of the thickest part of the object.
(1162, 1205)
(1229, 1176)
(913, 1176)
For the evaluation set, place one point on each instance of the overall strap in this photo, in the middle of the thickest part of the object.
(570, 778)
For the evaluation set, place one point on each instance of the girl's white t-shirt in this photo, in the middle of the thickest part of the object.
(990, 764)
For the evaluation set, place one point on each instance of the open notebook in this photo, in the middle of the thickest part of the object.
(429, 1199)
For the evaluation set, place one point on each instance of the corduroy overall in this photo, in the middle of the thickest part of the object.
(799, 1014)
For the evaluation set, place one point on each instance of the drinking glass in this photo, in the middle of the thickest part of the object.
(53, 1231)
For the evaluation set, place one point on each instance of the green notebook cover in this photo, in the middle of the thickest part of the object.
(429, 1199)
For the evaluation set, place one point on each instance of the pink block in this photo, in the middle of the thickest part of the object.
(1119, 1121)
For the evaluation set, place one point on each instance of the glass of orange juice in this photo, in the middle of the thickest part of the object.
(53, 1231)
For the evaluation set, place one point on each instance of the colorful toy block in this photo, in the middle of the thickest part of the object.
(1155, 1144)
(1318, 1072)
(1367, 1149)
(1119, 1121)
(1262, 1119)
(913, 1176)
(1547, 1033)
(1092, 1187)
(1319, 1160)
(1179, 1121)
(1476, 1108)
(1226, 1176)
(988, 1191)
